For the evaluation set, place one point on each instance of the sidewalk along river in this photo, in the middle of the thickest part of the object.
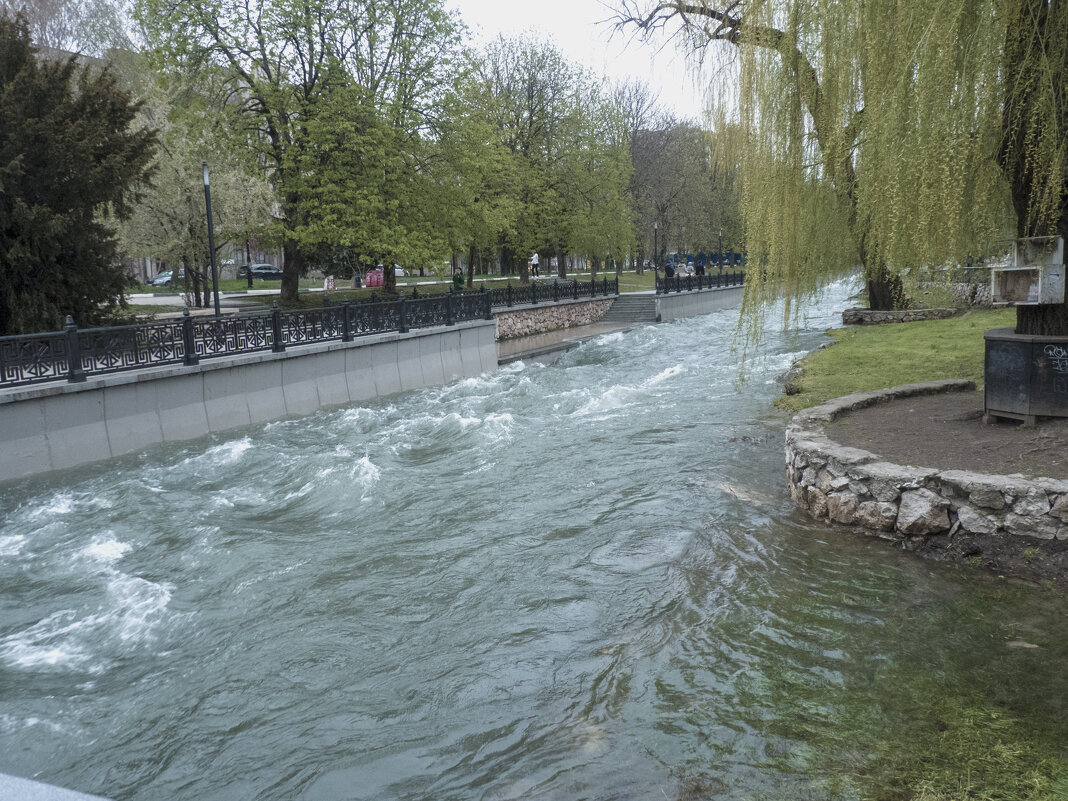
(583, 580)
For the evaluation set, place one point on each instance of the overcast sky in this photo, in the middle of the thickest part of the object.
(573, 24)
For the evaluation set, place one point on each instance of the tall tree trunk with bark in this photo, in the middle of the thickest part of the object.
(1036, 28)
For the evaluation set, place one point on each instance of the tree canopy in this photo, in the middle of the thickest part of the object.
(70, 159)
(881, 132)
(296, 76)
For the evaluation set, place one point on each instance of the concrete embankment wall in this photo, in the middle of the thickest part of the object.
(59, 425)
(675, 306)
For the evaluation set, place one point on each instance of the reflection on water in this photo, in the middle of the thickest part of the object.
(583, 580)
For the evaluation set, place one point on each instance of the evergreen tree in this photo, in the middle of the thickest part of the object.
(68, 162)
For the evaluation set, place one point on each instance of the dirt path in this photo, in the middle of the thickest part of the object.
(947, 432)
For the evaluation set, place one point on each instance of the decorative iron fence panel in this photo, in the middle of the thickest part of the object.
(33, 358)
(73, 354)
(690, 283)
(550, 291)
(129, 347)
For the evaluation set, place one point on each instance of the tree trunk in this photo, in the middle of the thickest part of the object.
(561, 268)
(1025, 77)
(291, 270)
(471, 267)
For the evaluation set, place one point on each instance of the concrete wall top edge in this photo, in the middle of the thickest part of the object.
(61, 387)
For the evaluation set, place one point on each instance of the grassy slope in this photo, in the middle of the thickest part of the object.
(879, 356)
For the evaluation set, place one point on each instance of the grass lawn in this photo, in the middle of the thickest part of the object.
(865, 358)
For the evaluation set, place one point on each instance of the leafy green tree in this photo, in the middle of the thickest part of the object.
(884, 132)
(569, 159)
(69, 162)
(282, 63)
(169, 221)
(476, 173)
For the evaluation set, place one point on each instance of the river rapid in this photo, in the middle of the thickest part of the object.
(578, 580)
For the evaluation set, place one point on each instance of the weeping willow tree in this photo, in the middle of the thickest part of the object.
(888, 134)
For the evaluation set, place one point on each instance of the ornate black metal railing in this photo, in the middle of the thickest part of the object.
(75, 353)
(690, 283)
(551, 291)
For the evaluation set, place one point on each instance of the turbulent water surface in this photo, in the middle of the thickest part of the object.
(583, 580)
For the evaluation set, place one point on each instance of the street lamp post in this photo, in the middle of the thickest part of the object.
(721, 250)
(211, 239)
(656, 243)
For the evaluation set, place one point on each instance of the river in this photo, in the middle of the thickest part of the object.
(577, 580)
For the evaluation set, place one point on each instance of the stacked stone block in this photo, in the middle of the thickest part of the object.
(529, 320)
(855, 487)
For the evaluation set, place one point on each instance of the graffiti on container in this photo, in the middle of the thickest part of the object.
(1058, 358)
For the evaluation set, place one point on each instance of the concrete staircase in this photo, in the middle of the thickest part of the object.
(632, 308)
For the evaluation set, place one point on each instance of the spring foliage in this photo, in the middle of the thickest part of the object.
(876, 131)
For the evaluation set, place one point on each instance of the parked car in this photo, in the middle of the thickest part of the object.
(265, 272)
(166, 278)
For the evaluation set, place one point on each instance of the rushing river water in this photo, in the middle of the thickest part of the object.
(583, 580)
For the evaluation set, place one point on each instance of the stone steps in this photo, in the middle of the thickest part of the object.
(632, 309)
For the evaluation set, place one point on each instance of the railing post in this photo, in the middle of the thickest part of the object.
(189, 344)
(402, 316)
(508, 295)
(276, 329)
(574, 289)
(75, 373)
(448, 308)
(487, 302)
(346, 322)
(556, 290)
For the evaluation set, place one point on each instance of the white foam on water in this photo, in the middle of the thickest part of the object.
(607, 339)
(365, 473)
(664, 375)
(610, 400)
(12, 545)
(61, 504)
(499, 426)
(10, 723)
(105, 549)
(50, 643)
(229, 452)
(140, 605)
(299, 493)
(465, 422)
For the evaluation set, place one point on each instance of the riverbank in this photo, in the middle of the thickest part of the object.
(941, 432)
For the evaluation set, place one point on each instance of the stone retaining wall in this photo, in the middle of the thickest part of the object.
(521, 322)
(855, 487)
(869, 317)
